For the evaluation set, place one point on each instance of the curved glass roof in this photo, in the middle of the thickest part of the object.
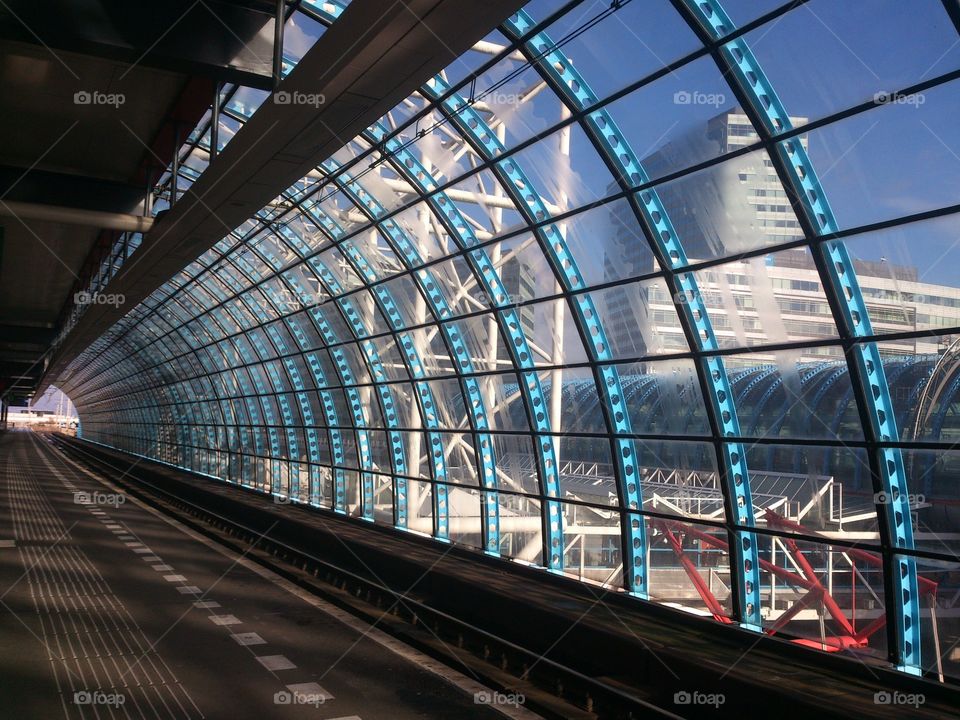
(658, 295)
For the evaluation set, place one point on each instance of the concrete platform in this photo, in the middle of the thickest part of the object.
(108, 609)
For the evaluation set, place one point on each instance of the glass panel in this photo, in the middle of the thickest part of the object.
(822, 58)
(906, 275)
(715, 211)
(652, 29)
(897, 159)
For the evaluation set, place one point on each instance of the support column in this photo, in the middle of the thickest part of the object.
(175, 169)
(278, 44)
(215, 121)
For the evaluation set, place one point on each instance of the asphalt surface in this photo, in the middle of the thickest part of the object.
(109, 610)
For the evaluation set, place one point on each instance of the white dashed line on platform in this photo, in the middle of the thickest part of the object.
(162, 568)
(224, 620)
(189, 590)
(175, 578)
(250, 638)
(275, 662)
(206, 604)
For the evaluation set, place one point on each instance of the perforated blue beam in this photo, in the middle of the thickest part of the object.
(561, 74)
(335, 233)
(346, 380)
(405, 248)
(384, 299)
(410, 168)
(526, 198)
(842, 278)
(374, 365)
(480, 263)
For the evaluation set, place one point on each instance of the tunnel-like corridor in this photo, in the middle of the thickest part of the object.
(653, 302)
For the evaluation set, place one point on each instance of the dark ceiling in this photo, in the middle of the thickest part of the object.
(159, 58)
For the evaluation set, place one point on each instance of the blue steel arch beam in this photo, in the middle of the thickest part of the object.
(371, 356)
(184, 412)
(410, 355)
(280, 389)
(528, 201)
(487, 277)
(490, 503)
(406, 249)
(602, 129)
(750, 79)
(161, 412)
(349, 387)
(343, 369)
(273, 423)
(278, 304)
(385, 301)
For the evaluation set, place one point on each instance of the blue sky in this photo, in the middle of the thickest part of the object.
(823, 57)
